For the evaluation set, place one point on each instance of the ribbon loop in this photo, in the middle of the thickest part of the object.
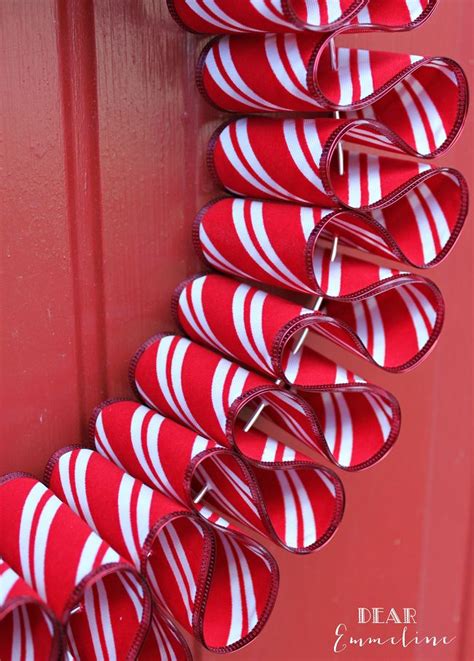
(222, 16)
(287, 245)
(423, 100)
(301, 166)
(227, 16)
(351, 422)
(393, 324)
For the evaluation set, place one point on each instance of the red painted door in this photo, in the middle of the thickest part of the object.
(102, 171)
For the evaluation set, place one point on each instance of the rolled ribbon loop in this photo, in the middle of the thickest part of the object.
(351, 422)
(300, 166)
(296, 503)
(28, 627)
(288, 245)
(247, 16)
(227, 16)
(393, 324)
(420, 99)
(100, 600)
(193, 568)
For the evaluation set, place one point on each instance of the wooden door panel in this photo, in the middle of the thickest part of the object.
(40, 378)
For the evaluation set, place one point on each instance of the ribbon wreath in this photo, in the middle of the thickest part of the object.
(321, 202)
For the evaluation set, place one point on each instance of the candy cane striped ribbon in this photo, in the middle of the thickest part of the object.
(351, 422)
(249, 239)
(221, 16)
(218, 584)
(99, 598)
(164, 642)
(300, 166)
(28, 628)
(393, 324)
(297, 504)
(421, 99)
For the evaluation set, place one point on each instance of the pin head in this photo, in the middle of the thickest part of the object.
(78, 608)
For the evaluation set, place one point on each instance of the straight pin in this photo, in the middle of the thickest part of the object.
(201, 494)
(258, 411)
(318, 302)
(250, 423)
(334, 66)
(333, 54)
(340, 153)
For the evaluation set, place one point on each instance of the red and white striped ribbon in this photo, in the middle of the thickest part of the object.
(393, 324)
(164, 641)
(29, 630)
(394, 15)
(218, 584)
(423, 100)
(99, 599)
(297, 504)
(300, 166)
(285, 245)
(221, 16)
(351, 422)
